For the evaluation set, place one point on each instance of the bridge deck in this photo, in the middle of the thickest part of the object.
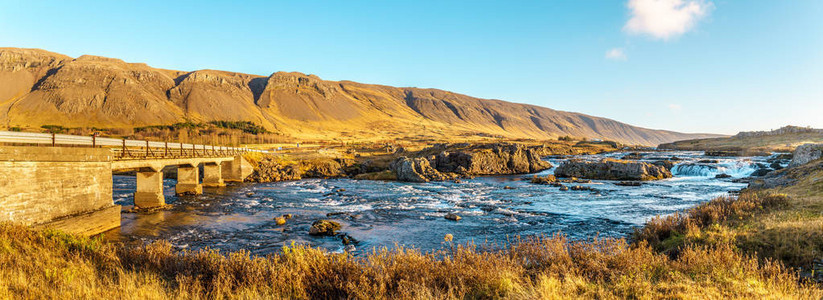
(123, 149)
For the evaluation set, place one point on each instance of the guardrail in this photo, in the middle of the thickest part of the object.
(123, 148)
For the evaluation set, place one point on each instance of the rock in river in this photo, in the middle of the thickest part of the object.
(612, 169)
(416, 170)
(492, 159)
(324, 227)
(453, 217)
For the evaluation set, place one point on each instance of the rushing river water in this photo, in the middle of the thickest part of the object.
(386, 214)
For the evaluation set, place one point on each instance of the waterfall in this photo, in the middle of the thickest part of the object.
(734, 168)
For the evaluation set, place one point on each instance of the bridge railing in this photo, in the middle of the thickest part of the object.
(123, 148)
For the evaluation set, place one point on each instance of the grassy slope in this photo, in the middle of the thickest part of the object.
(783, 223)
(774, 143)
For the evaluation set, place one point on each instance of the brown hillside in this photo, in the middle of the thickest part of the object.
(38, 88)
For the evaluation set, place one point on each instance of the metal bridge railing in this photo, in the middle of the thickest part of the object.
(123, 148)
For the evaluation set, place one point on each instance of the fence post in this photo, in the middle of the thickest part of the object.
(125, 151)
(166, 150)
(94, 141)
(53, 139)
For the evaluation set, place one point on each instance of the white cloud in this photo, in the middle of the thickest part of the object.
(675, 107)
(616, 54)
(664, 19)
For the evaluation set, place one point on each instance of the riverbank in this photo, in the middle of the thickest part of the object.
(546, 267)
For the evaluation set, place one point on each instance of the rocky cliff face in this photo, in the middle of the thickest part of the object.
(42, 88)
(612, 169)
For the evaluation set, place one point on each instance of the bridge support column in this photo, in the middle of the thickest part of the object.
(212, 175)
(188, 181)
(236, 170)
(149, 189)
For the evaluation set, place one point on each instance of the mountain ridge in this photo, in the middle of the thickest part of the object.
(46, 88)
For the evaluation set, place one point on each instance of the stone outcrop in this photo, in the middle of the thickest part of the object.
(467, 160)
(806, 153)
(269, 170)
(612, 169)
(323, 168)
(494, 159)
(416, 170)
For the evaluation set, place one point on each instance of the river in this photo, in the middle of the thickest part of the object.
(387, 214)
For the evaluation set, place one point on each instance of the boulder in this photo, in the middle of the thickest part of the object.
(324, 227)
(776, 165)
(723, 153)
(759, 173)
(806, 153)
(633, 156)
(612, 169)
(668, 164)
(452, 216)
(416, 170)
(583, 188)
(548, 179)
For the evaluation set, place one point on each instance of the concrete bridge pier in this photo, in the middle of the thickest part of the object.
(236, 170)
(188, 180)
(149, 188)
(62, 188)
(213, 175)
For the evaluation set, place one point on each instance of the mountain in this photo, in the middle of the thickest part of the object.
(38, 87)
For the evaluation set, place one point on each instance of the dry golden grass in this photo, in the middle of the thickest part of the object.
(48, 264)
(784, 227)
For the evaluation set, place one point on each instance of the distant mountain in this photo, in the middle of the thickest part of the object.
(38, 87)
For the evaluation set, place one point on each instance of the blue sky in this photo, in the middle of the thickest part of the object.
(685, 65)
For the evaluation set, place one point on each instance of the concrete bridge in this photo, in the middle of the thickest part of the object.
(65, 181)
